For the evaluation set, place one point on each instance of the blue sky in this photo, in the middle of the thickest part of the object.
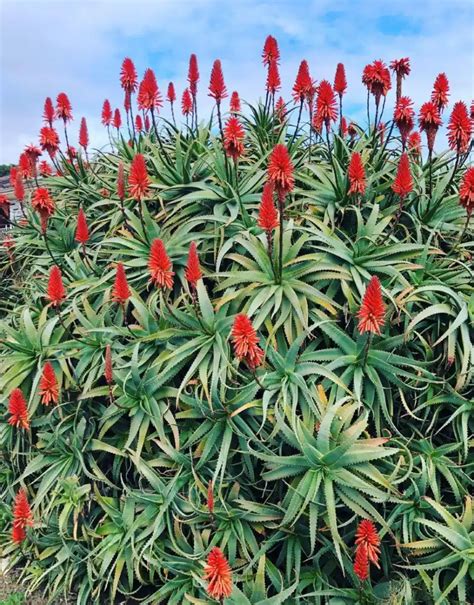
(49, 46)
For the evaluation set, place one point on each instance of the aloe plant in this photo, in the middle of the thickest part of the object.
(265, 407)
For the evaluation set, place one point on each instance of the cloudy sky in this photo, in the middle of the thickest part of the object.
(50, 46)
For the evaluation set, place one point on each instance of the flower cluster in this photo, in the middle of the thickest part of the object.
(22, 517)
(234, 138)
(376, 77)
(280, 170)
(160, 265)
(372, 310)
(367, 548)
(43, 203)
(245, 341)
(218, 575)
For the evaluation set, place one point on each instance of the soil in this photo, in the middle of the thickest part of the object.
(9, 586)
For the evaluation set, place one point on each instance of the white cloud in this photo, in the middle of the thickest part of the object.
(77, 46)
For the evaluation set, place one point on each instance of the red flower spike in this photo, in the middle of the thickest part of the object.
(372, 311)
(235, 102)
(186, 102)
(117, 121)
(193, 270)
(218, 574)
(340, 82)
(171, 93)
(160, 265)
(48, 112)
(280, 170)
(138, 180)
(210, 497)
(414, 143)
(108, 368)
(48, 385)
(193, 74)
(30, 156)
(56, 291)
(217, 88)
(63, 107)
(403, 183)
(45, 169)
(459, 128)
(376, 77)
(367, 536)
(18, 534)
(13, 173)
(356, 174)
(42, 201)
(246, 341)
(43, 204)
(32, 153)
(361, 563)
(280, 109)
(19, 188)
(49, 140)
(303, 85)
(404, 118)
(128, 76)
(466, 191)
(273, 78)
(83, 134)
(149, 96)
(268, 215)
(18, 410)
(429, 121)
(107, 114)
(4, 200)
(401, 69)
(147, 123)
(234, 138)
(22, 517)
(326, 106)
(24, 166)
(138, 122)
(121, 182)
(82, 231)
(271, 51)
(121, 292)
(440, 93)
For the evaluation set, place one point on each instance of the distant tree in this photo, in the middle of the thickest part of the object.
(5, 169)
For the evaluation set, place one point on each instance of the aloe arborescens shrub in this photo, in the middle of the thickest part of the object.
(204, 396)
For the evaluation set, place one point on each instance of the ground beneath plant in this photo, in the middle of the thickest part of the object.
(12, 592)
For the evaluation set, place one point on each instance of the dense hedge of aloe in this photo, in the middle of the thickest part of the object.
(326, 432)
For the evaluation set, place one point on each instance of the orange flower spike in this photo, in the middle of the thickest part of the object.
(22, 517)
(48, 385)
(372, 310)
(218, 574)
(18, 410)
